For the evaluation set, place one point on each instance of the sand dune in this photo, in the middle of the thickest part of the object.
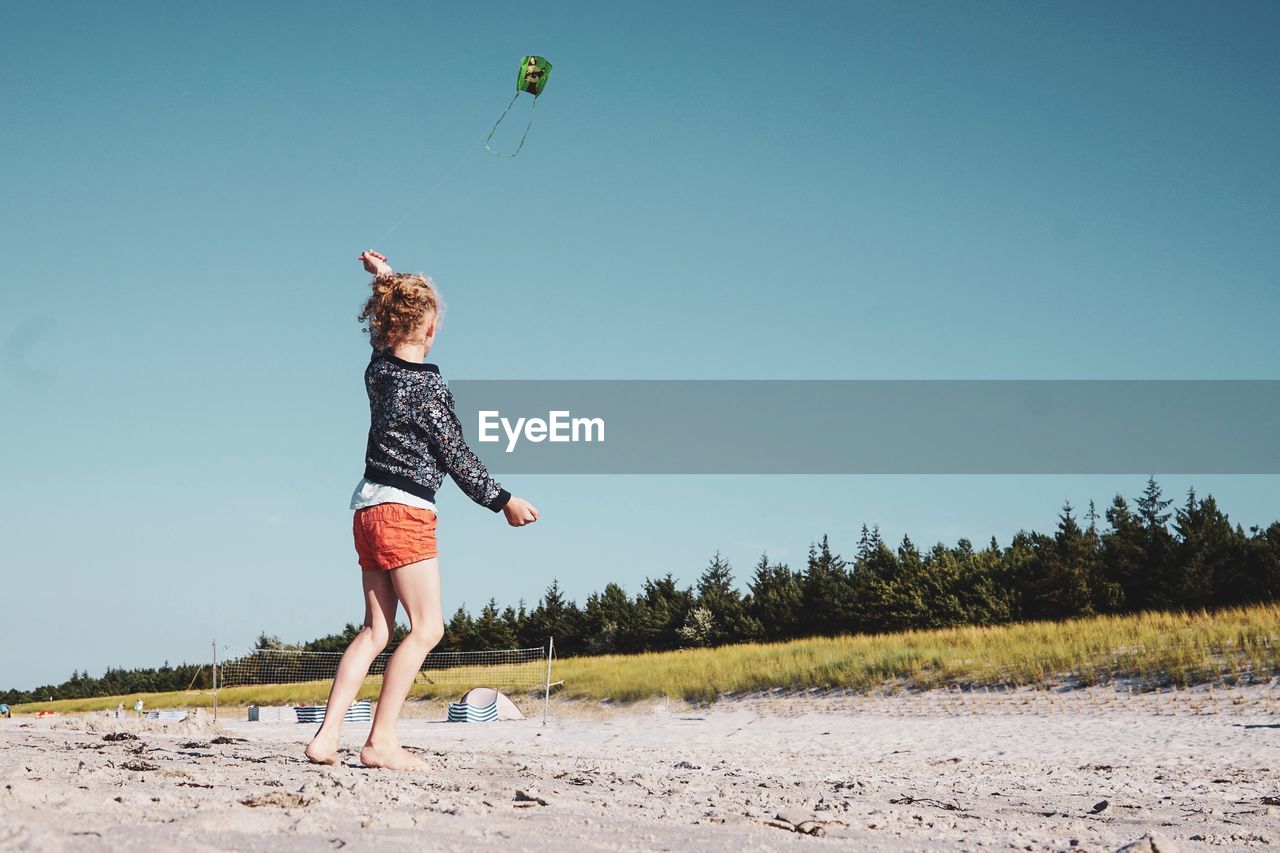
(1080, 770)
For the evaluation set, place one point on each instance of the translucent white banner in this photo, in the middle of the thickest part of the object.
(873, 427)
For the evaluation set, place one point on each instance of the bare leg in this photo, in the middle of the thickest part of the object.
(418, 587)
(379, 621)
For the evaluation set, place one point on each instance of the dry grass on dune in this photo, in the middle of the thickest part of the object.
(1154, 649)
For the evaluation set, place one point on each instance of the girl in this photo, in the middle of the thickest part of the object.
(414, 440)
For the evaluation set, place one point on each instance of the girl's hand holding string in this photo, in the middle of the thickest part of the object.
(374, 262)
(520, 512)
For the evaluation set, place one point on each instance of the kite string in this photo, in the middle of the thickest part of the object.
(427, 193)
(451, 170)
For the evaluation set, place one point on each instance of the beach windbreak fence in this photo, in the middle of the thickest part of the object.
(511, 669)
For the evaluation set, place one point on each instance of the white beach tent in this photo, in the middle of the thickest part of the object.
(483, 705)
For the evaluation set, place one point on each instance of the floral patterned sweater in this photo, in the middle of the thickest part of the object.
(415, 437)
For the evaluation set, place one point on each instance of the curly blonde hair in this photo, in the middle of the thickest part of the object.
(398, 305)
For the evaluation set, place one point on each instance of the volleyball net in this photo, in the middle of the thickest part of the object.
(526, 670)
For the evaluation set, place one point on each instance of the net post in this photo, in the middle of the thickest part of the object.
(215, 680)
(546, 697)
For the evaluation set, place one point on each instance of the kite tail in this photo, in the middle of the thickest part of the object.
(494, 129)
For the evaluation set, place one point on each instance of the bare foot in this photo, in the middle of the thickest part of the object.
(322, 750)
(393, 758)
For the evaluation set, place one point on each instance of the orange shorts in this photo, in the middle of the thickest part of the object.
(389, 536)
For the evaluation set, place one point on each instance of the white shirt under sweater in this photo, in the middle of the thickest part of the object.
(371, 494)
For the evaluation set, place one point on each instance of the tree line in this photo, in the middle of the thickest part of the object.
(1142, 555)
(1135, 556)
(116, 682)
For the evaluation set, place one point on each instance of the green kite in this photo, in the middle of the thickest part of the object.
(531, 78)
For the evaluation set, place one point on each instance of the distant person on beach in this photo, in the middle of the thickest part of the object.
(137, 706)
(415, 439)
(5, 712)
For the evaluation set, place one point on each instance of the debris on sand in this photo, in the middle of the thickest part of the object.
(529, 798)
(280, 799)
(138, 765)
(1152, 842)
(685, 765)
(798, 822)
(908, 800)
(223, 739)
(115, 736)
(1100, 807)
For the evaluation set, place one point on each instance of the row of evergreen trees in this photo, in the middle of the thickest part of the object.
(117, 682)
(1147, 555)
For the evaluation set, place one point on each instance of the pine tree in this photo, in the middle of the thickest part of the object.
(983, 599)
(555, 617)
(1261, 569)
(717, 594)
(866, 545)
(513, 622)
(491, 631)
(1021, 572)
(1064, 590)
(921, 587)
(893, 595)
(1211, 556)
(1125, 587)
(1103, 594)
(1161, 570)
(610, 618)
(775, 601)
(825, 591)
(668, 606)
(459, 633)
(1153, 507)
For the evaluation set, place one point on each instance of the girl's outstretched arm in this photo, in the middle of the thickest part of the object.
(439, 419)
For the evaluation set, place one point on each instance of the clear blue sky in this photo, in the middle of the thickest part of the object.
(816, 190)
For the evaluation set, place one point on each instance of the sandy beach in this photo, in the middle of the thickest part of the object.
(1074, 770)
